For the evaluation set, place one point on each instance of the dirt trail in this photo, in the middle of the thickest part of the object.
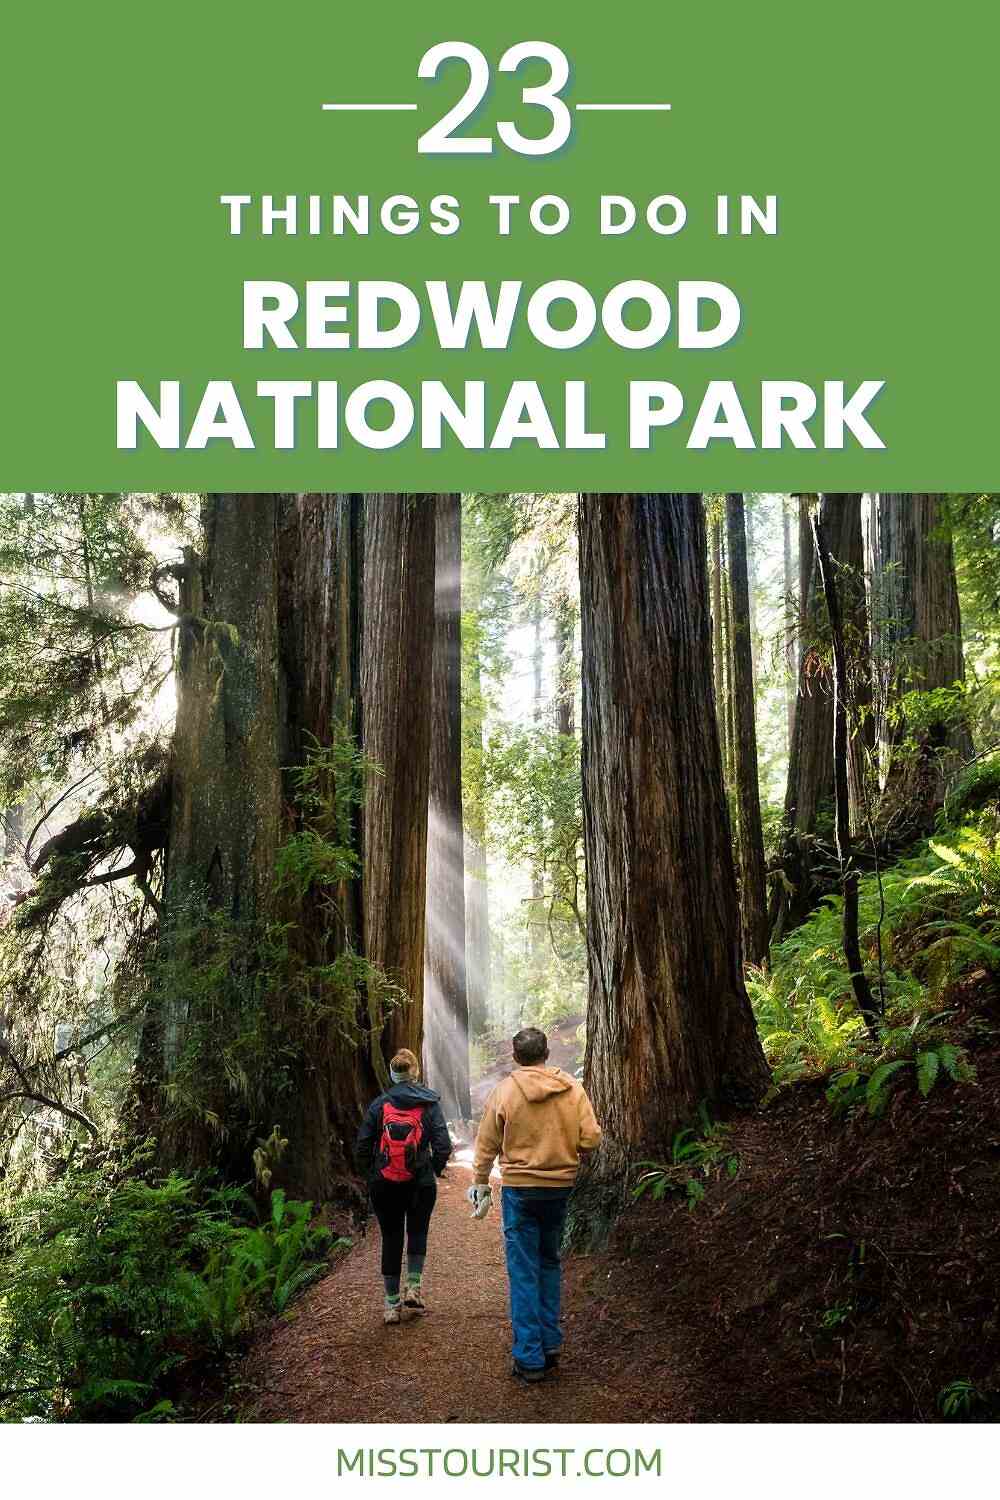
(337, 1362)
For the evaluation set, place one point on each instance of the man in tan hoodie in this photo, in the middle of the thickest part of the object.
(539, 1121)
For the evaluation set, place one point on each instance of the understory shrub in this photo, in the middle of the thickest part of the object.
(697, 1153)
(115, 1284)
(941, 918)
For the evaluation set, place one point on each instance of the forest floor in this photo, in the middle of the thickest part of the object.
(850, 1271)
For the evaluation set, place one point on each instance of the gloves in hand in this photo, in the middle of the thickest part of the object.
(482, 1199)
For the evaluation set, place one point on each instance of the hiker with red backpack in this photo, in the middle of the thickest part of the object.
(403, 1146)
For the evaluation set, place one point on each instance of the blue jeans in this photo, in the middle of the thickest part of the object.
(533, 1220)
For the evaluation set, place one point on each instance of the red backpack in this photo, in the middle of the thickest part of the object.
(402, 1139)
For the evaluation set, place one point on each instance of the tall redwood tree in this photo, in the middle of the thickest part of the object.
(750, 835)
(669, 1020)
(267, 668)
(917, 633)
(397, 641)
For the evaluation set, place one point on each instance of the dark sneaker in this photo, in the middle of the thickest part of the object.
(552, 1361)
(529, 1376)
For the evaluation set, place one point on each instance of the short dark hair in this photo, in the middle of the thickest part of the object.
(531, 1046)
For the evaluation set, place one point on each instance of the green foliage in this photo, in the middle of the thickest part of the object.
(977, 788)
(209, 983)
(76, 665)
(697, 1153)
(546, 519)
(116, 1284)
(942, 918)
(975, 528)
(927, 713)
(243, 1004)
(261, 1265)
(327, 788)
(835, 1317)
(306, 860)
(873, 1089)
(957, 1400)
(533, 809)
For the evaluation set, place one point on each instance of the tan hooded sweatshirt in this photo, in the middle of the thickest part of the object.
(538, 1121)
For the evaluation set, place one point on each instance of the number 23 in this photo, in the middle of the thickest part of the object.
(440, 138)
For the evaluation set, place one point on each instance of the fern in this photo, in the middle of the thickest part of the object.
(928, 1065)
(941, 919)
(112, 1284)
(696, 1153)
(876, 1093)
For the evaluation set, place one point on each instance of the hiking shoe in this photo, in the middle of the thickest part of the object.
(528, 1375)
(392, 1314)
(413, 1301)
(552, 1361)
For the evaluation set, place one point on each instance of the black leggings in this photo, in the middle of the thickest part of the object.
(402, 1207)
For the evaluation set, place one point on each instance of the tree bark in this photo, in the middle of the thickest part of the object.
(397, 648)
(718, 638)
(790, 662)
(230, 737)
(320, 608)
(750, 843)
(446, 1002)
(752, 588)
(669, 1021)
(810, 787)
(729, 758)
(842, 829)
(917, 630)
(268, 663)
(806, 591)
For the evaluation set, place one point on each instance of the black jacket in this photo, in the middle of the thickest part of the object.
(405, 1096)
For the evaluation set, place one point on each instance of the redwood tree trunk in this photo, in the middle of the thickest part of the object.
(267, 663)
(718, 637)
(810, 786)
(446, 1004)
(229, 740)
(917, 627)
(752, 588)
(396, 653)
(790, 669)
(842, 830)
(730, 751)
(320, 589)
(750, 842)
(669, 1021)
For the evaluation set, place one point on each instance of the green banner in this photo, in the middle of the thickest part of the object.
(634, 247)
